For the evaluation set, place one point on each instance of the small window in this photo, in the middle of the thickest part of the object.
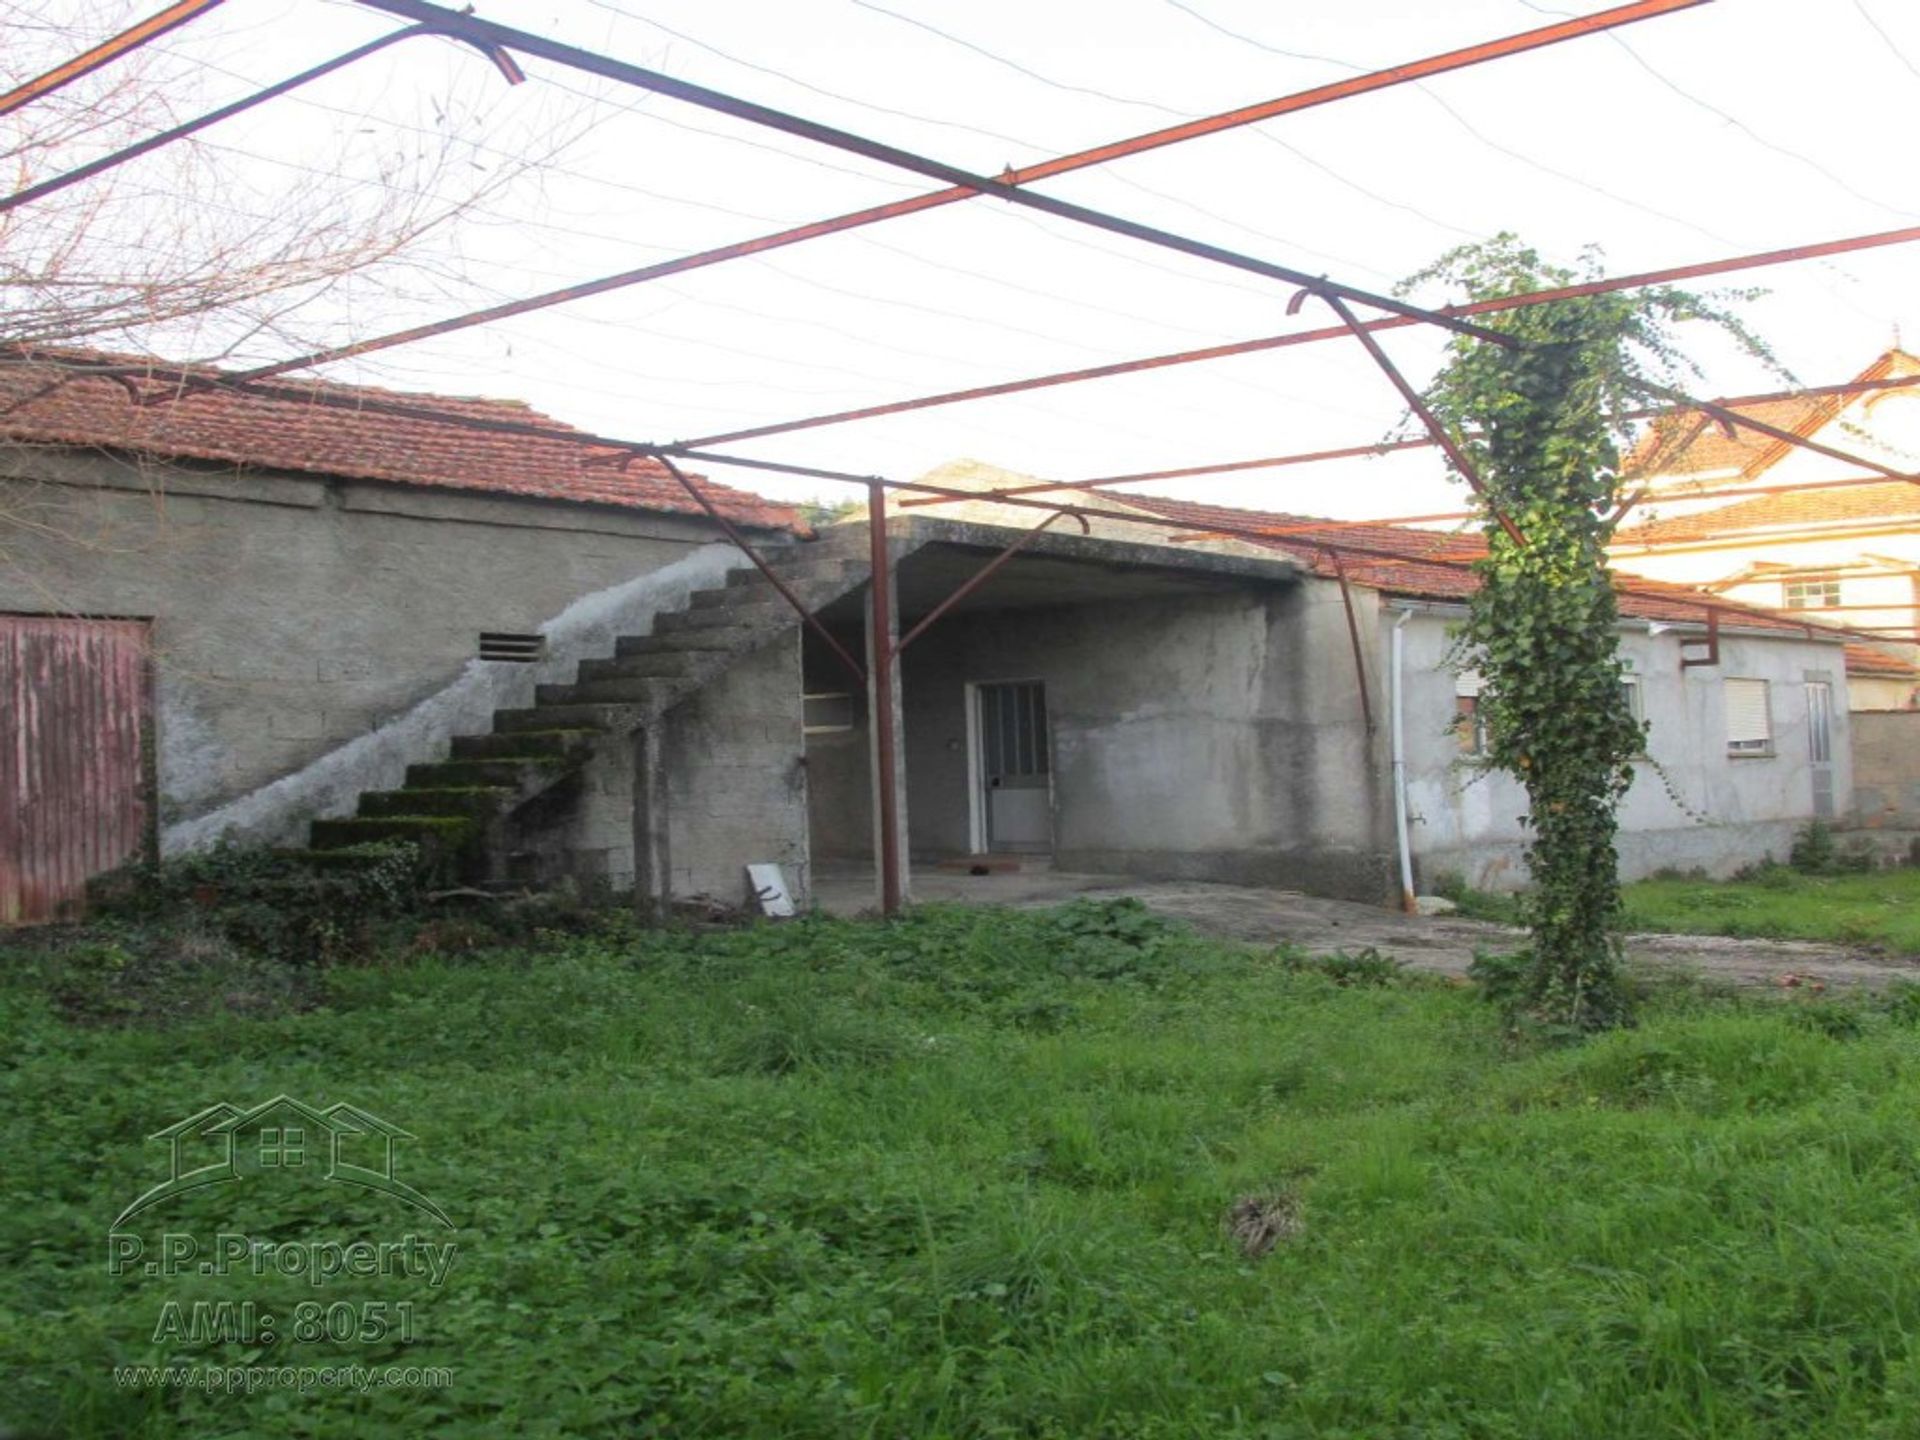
(1812, 594)
(1630, 696)
(1749, 719)
(1469, 725)
(516, 649)
(828, 712)
(1819, 722)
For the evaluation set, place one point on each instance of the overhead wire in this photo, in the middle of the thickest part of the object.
(574, 231)
(1785, 151)
(1263, 135)
(1893, 47)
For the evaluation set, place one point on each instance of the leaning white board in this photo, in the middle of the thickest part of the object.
(769, 887)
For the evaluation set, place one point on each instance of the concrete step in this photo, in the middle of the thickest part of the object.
(549, 717)
(652, 663)
(755, 615)
(803, 570)
(517, 773)
(642, 690)
(476, 802)
(814, 587)
(712, 640)
(540, 745)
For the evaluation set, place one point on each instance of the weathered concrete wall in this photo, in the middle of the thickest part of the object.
(839, 766)
(734, 779)
(1205, 737)
(1886, 769)
(312, 637)
(1882, 692)
(1691, 805)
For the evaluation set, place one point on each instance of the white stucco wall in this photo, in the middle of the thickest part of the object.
(1731, 810)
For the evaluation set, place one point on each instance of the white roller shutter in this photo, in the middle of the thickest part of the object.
(1749, 725)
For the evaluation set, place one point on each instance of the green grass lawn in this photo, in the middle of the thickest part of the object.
(1876, 908)
(967, 1175)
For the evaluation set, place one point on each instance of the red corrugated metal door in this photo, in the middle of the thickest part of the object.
(73, 781)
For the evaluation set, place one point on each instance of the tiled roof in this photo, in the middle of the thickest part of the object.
(42, 404)
(1865, 660)
(1895, 500)
(1433, 564)
(1687, 443)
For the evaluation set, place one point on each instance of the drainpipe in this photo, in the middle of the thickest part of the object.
(1398, 668)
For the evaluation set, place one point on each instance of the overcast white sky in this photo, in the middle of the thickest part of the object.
(1737, 126)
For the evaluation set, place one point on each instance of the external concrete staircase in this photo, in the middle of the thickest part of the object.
(459, 809)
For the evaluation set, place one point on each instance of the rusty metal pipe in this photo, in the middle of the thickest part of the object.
(880, 657)
(1065, 164)
(985, 574)
(1329, 332)
(212, 117)
(492, 34)
(1353, 634)
(1388, 447)
(734, 534)
(1456, 456)
(105, 53)
(1748, 422)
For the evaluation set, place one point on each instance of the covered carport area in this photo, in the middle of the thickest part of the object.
(1100, 706)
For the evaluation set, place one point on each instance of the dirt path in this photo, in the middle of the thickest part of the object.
(1445, 944)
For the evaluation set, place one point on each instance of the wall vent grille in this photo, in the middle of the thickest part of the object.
(518, 649)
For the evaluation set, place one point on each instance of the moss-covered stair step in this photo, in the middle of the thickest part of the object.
(654, 663)
(511, 772)
(652, 690)
(547, 717)
(479, 802)
(544, 743)
(434, 834)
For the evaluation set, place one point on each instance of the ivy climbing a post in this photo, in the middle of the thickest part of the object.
(1540, 424)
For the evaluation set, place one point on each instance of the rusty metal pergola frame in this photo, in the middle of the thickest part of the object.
(500, 43)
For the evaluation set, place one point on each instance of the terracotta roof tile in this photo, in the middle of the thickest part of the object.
(1433, 564)
(277, 434)
(1688, 443)
(1866, 660)
(1895, 500)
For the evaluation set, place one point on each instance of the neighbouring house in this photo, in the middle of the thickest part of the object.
(342, 626)
(1757, 519)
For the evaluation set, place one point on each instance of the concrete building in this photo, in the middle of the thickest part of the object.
(1747, 723)
(250, 612)
(536, 662)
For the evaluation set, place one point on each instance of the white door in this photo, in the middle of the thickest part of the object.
(1017, 798)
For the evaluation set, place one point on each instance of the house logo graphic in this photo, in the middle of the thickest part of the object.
(223, 1142)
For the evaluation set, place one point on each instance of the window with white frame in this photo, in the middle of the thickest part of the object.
(1820, 722)
(1634, 699)
(1469, 725)
(1812, 594)
(1749, 718)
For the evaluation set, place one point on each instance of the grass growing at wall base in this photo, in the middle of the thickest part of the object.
(1873, 908)
(991, 1174)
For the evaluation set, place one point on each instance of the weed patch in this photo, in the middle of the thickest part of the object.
(985, 1173)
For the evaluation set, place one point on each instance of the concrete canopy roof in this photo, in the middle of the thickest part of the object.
(1060, 567)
